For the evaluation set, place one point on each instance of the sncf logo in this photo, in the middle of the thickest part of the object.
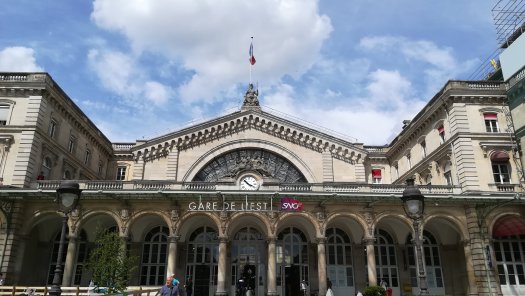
(289, 204)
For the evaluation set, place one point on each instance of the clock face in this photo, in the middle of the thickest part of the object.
(249, 183)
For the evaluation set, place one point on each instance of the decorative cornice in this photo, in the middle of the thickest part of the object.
(246, 120)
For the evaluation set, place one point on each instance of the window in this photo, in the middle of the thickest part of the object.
(72, 144)
(386, 258)
(441, 131)
(501, 173)
(491, 122)
(448, 175)
(154, 257)
(339, 259)
(4, 113)
(432, 261)
(121, 173)
(423, 149)
(99, 167)
(376, 176)
(500, 167)
(87, 157)
(52, 128)
(46, 169)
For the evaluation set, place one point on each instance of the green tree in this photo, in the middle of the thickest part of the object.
(109, 261)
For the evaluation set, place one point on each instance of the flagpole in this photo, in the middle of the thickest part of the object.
(251, 44)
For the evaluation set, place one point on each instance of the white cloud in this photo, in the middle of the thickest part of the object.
(375, 117)
(438, 63)
(18, 59)
(119, 73)
(212, 40)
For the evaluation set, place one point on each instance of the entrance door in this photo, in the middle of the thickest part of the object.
(292, 281)
(201, 284)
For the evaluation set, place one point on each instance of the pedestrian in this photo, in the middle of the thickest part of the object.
(188, 286)
(304, 288)
(169, 289)
(329, 291)
(2, 279)
(383, 284)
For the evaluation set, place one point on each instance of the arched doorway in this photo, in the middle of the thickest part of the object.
(202, 260)
(292, 261)
(432, 261)
(248, 261)
(339, 261)
(508, 236)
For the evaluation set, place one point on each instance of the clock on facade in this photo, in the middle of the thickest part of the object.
(249, 183)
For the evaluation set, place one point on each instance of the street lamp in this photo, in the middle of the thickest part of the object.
(68, 195)
(414, 206)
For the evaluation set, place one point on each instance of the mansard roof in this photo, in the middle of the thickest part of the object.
(253, 118)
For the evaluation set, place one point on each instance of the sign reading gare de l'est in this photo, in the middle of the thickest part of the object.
(287, 204)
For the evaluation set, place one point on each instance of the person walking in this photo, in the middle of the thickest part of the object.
(169, 289)
(188, 286)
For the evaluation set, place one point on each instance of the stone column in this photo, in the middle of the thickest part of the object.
(221, 276)
(271, 275)
(69, 264)
(321, 265)
(371, 261)
(471, 276)
(172, 254)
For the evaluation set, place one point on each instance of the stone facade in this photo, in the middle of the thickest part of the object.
(256, 195)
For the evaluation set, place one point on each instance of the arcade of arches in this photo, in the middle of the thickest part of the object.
(272, 252)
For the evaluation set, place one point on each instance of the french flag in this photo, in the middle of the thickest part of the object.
(252, 58)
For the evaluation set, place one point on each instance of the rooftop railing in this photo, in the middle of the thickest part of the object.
(166, 186)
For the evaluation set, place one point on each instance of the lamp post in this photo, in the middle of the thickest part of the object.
(414, 206)
(68, 194)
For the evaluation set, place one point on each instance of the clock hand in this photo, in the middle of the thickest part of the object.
(248, 183)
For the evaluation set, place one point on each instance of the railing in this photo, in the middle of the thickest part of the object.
(161, 185)
(71, 291)
(504, 187)
(122, 146)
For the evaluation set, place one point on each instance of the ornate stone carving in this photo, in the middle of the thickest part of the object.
(368, 215)
(250, 98)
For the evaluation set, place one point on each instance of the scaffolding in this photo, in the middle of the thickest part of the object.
(509, 20)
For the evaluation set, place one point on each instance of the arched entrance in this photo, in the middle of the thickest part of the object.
(292, 261)
(508, 236)
(248, 262)
(339, 261)
(202, 260)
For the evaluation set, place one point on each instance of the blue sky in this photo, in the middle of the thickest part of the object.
(140, 69)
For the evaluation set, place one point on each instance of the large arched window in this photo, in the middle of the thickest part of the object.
(154, 255)
(432, 262)
(386, 259)
(339, 261)
(54, 256)
(82, 257)
(266, 163)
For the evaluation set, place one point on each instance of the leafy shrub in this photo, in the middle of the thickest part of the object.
(374, 291)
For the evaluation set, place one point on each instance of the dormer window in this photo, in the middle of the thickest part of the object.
(4, 113)
(491, 122)
(441, 132)
(376, 176)
(423, 149)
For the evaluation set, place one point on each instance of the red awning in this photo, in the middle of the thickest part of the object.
(490, 116)
(509, 225)
(499, 156)
(441, 129)
(376, 173)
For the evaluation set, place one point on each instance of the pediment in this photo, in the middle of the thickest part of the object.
(239, 122)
